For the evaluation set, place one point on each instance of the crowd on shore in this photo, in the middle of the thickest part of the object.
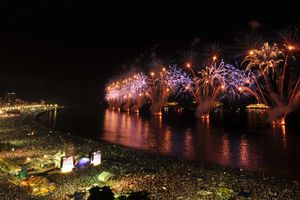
(134, 170)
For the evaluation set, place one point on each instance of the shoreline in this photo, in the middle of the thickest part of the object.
(163, 177)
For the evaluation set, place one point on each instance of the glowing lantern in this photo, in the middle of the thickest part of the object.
(105, 176)
(96, 158)
(83, 162)
(67, 164)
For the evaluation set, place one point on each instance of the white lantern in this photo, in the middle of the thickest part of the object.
(67, 164)
(96, 158)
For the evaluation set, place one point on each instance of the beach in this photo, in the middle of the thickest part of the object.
(134, 170)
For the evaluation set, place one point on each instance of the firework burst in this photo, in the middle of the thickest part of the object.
(280, 94)
(164, 83)
(128, 92)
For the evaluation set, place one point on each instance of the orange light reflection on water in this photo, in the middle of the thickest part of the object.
(284, 140)
(198, 141)
(244, 152)
(205, 122)
(225, 151)
(133, 131)
(166, 142)
(124, 129)
(189, 151)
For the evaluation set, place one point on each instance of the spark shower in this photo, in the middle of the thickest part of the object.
(266, 73)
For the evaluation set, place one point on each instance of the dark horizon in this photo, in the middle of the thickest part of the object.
(66, 51)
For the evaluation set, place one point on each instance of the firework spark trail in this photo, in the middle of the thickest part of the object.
(133, 91)
(127, 92)
(138, 87)
(273, 68)
(267, 59)
(218, 82)
(165, 83)
(264, 78)
(177, 80)
(237, 81)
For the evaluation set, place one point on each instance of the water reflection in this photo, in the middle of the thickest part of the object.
(284, 137)
(244, 152)
(189, 151)
(254, 145)
(48, 118)
(225, 151)
(151, 134)
(205, 122)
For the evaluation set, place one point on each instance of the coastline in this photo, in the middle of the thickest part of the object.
(163, 177)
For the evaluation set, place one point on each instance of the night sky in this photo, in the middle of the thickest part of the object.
(65, 51)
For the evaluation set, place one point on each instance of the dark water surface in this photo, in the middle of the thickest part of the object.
(238, 141)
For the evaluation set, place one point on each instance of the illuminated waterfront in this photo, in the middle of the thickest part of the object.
(246, 142)
(164, 177)
(149, 101)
